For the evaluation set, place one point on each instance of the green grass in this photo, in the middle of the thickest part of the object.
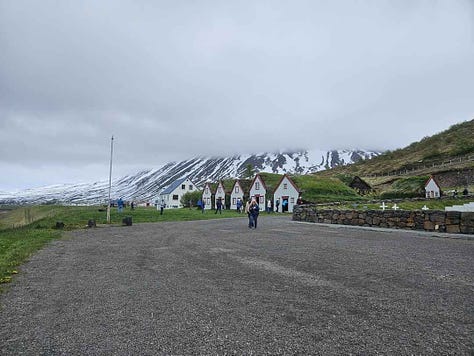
(409, 187)
(17, 245)
(319, 190)
(456, 141)
(23, 231)
(432, 204)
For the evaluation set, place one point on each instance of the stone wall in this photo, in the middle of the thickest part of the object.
(429, 220)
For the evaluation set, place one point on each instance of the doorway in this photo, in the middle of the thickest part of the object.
(284, 204)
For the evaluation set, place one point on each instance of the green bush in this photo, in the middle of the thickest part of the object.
(192, 197)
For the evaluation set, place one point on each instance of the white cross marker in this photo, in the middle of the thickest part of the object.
(383, 206)
(425, 207)
(395, 207)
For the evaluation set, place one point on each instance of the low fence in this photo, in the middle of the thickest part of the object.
(423, 167)
(429, 220)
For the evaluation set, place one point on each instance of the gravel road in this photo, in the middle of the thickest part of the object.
(218, 287)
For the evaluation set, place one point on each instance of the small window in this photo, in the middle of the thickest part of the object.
(292, 200)
(236, 189)
(285, 185)
(234, 201)
(207, 190)
(257, 186)
(175, 197)
(183, 186)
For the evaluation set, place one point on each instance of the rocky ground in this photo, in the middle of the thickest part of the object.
(217, 287)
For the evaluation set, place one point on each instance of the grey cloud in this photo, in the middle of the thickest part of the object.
(173, 80)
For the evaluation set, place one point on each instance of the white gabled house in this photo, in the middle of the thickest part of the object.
(258, 190)
(220, 193)
(172, 195)
(239, 190)
(432, 188)
(287, 193)
(207, 196)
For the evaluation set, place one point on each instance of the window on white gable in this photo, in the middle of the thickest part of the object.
(183, 186)
(175, 197)
(190, 187)
(207, 190)
(236, 189)
(285, 185)
(257, 185)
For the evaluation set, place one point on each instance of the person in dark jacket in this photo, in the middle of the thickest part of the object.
(239, 205)
(219, 206)
(120, 205)
(254, 210)
(162, 206)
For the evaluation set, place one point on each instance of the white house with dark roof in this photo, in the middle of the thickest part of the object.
(287, 193)
(220, 193)
(432, 188)
(172, 195)
(258, 190)
(207, 196)
(236, 193)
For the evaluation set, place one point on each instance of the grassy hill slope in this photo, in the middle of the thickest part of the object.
(448, 155)
(454, 144)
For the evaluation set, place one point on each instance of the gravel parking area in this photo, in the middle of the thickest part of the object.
(217, 287)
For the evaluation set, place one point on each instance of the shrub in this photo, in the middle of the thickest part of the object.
(192, 197)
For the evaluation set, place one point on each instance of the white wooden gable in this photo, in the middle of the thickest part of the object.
(286, 190)
(237, 193)
(220, 192)
(432, 189)
(258, 191)
(207, 196)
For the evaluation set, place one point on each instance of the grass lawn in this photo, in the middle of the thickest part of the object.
(432, 204)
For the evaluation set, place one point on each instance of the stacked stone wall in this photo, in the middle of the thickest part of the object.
(430, 220)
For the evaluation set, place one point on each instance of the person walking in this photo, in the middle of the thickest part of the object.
(247, 210)
(277, 204)
(254, 210)
(239, 205)
(203, 206)
(162, 206)
(120, 205)
(219, 206)
(269, 206)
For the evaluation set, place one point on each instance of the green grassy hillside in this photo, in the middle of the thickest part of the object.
(448, 156)
(454, 144)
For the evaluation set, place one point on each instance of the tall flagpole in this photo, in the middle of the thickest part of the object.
(110, 177)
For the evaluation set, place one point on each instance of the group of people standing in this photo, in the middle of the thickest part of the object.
(253, 210)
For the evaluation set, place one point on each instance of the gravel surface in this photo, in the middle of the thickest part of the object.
(218, 287)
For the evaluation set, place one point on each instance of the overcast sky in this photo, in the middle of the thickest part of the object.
(175, 79)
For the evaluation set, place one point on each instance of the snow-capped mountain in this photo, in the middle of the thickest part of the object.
(146, 185)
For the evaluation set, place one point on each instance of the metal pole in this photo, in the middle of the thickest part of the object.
(110, 177)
